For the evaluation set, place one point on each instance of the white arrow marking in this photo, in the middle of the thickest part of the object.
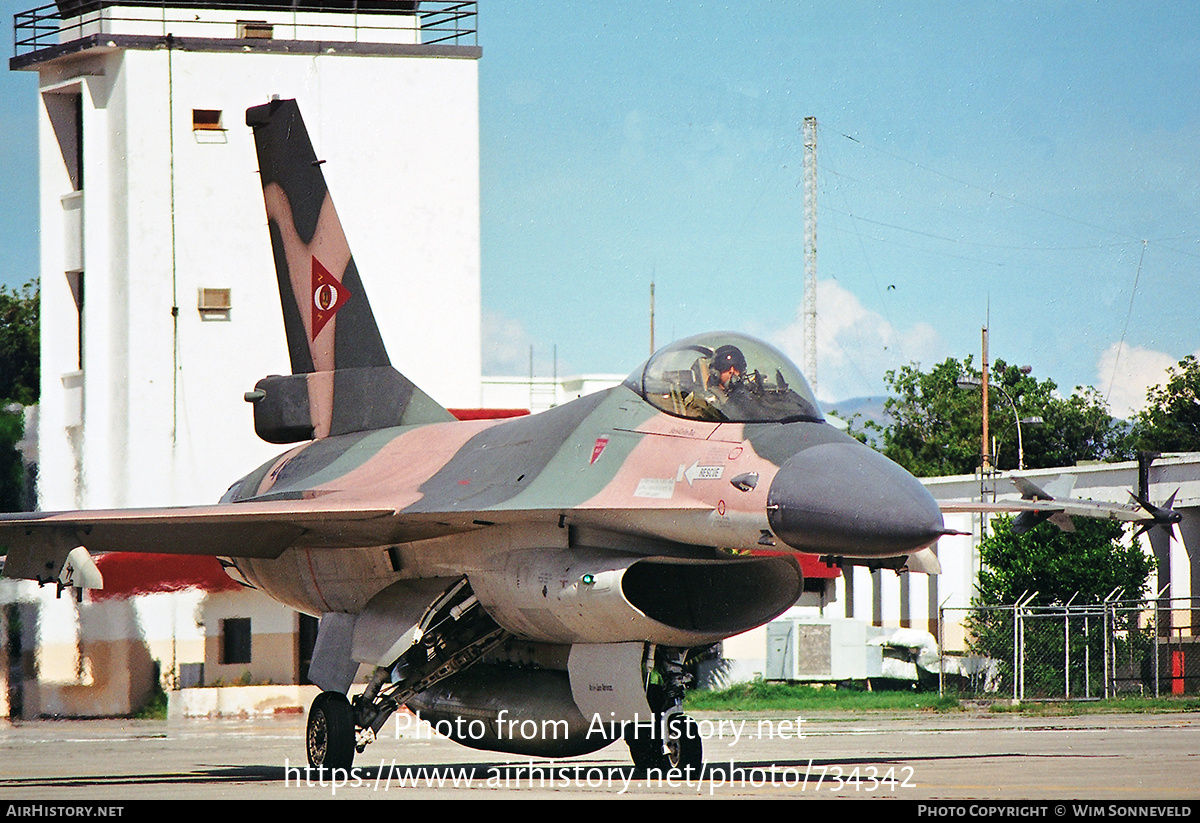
(696, 472)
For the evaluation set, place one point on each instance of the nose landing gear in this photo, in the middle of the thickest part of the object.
(673, 742)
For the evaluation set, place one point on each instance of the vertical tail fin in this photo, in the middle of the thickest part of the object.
(342, 380)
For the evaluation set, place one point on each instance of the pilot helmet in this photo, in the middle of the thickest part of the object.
(726, 357)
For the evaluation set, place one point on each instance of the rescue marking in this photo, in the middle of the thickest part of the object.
(696, 472)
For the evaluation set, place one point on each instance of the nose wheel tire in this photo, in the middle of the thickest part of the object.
(330, 734)
(684, 747)
(683, 750)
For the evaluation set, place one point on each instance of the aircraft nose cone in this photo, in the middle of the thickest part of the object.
(844, 498)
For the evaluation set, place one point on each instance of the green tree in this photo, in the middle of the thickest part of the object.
(19, 384)
(1171, 420)
(1081, 568)
(1086, 564)
(936, 425)
(12, 465)
(19, 339)
(1075, 428)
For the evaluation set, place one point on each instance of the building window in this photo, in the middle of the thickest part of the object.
(206, 120)
(235, 640)
(255, 30)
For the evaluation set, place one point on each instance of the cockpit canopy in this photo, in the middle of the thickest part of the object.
(725, 377)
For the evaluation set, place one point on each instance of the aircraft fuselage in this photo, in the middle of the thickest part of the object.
(608, 472)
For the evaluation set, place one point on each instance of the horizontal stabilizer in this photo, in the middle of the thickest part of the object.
(1060, 487)
(1027, 520)
(365, 399)
(924, 561)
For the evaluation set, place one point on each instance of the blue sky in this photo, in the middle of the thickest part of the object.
(1011, 153)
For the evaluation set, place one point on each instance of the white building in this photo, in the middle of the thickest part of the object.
(159, 299)
(158, 287)
(540, 393)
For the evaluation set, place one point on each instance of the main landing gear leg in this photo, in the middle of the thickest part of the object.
(454, 633)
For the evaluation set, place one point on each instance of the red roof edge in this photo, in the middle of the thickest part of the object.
(487, 414)
(127, 574)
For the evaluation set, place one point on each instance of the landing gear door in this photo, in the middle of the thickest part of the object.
(606, 682)
(388, 625)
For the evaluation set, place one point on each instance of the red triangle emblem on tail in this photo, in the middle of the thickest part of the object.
(328, 295)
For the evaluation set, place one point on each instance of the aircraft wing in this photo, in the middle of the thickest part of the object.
(1051, 508)
(37, 543)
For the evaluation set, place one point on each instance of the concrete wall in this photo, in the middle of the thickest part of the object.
(275, 652)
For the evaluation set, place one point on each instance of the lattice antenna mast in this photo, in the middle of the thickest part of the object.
(810, 250)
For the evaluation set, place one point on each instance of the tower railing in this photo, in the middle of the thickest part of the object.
(448, 22)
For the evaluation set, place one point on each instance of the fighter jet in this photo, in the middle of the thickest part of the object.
(536, 585)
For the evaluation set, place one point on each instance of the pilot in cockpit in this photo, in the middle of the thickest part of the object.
(725, 372)
(725, 377)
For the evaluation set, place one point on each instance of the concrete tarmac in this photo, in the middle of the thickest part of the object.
(913, 756)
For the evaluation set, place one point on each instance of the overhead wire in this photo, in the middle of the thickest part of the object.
(826, 163)
(1125, 329)
(960, 241)
(991, 193)
(1161, 242)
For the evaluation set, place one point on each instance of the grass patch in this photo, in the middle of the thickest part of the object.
(1116, 705)
(155, 708)
(762, 696)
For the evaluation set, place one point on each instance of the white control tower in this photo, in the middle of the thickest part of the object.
(159, 301)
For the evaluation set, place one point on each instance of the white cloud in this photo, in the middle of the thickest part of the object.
(505, 345)
(1124, 379)
(855, 345)
(506, 348)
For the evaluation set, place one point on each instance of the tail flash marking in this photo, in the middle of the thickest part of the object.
(328, 245)
(328, 295)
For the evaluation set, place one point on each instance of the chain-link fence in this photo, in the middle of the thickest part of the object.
(1077, 651)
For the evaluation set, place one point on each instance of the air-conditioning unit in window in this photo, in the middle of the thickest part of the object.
(215, 303)
(820, 650)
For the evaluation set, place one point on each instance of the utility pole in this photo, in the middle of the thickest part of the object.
(651, 315)
(987, 461)
(987, 475)
(810, 250)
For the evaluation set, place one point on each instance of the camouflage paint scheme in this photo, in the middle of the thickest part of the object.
(596, 530)
(382, 465)
(560, 565)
